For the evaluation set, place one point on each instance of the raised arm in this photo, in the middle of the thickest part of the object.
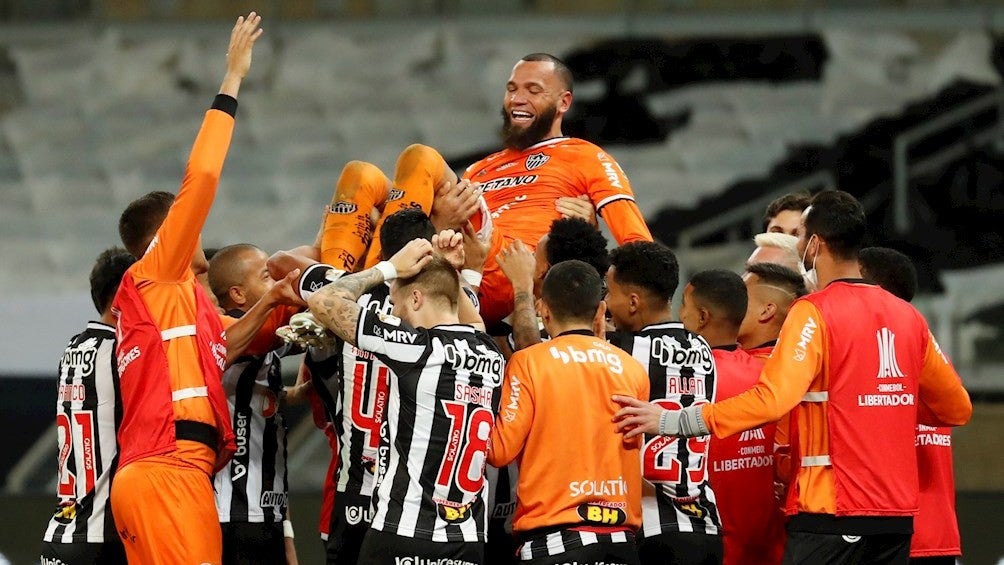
(518, 265)
(174, 246)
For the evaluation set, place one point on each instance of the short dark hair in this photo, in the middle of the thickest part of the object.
(780, 276)
(575, 238)
(141, 219)
(106, 274)
(222, 272)
(560, 68)
(649, 265)
(401, 227)
(722, 291)
(797, 201)
(573, 291)
(889, 269)
(436, 280)
(839, 219)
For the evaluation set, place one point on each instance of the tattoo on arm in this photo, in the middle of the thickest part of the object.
(335, 304)
(524, 321)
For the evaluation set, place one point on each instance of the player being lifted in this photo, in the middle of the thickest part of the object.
(540, 176)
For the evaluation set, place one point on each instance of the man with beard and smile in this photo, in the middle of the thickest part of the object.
(539, 177)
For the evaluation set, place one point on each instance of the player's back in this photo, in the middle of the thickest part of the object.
(681, 372)
(252, 486)
(575, 468)
(88, 411)
(741, 470)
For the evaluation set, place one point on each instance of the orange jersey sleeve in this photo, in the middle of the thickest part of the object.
(943, 400)
(168, 262)
(515, 416)
(169, 257)
(625, 221)
(786, 376)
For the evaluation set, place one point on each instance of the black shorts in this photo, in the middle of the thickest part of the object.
(681, 548)
(500, 548)
(110, 552)
(382, 548)
(837, 549)
(253, 543)
(593, 554)
(937, 560)
(350, 520)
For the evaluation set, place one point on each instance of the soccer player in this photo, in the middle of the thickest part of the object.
(353, 387)
(251, 491)
(579, 492)
(523, 185)
(680, 522)
(88, 412)
(771, 289)
(863, 368)
(568, 238)
(441, 404)
(741, 467)
(784, 214)
(935, 538)
(175, 430)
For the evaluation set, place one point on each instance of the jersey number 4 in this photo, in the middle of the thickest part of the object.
(76, 439)
(466, 446)
(661, 463)
(368, 419)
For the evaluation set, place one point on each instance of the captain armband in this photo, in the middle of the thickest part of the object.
(316, 277)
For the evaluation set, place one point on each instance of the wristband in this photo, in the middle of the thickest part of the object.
(387, 269)
(287, 529)
(471, 277)
(313, 279)
(664, 423)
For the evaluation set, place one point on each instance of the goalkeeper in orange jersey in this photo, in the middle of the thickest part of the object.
(540, 176)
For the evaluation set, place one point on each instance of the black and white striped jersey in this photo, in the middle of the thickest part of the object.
(88, 413)
(677, 496)
(441, 410)
(353, 386)
(253, 487)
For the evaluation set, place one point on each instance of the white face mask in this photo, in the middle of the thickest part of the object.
(810, 276)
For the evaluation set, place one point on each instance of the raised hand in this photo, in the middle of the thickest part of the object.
(518, 264)
(242, 39)
(450, 245)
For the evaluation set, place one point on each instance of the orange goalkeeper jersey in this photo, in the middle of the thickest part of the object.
(522, 187)
(556, 421)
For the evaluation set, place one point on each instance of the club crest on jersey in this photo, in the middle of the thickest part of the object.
(452, 513)
(342, 207)
(395, 194)
(536, 160)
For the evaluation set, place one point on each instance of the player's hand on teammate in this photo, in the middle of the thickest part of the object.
(454, 204)
(518, 264)
(286, 291)
(449, 244)
(640, 417)
(637, 417)
(412, 258)
(577, 207)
